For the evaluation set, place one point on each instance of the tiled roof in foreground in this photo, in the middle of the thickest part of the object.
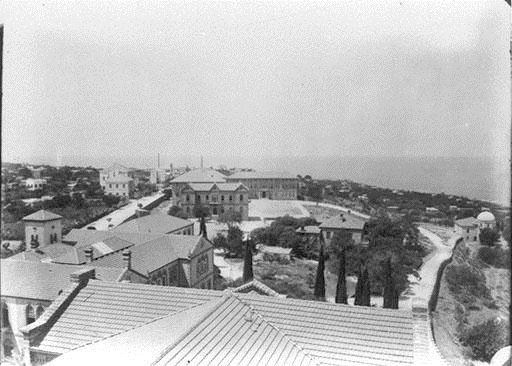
(103, 309)
(226, 329)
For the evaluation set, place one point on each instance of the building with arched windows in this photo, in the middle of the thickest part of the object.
(43, 228)
(469, 228)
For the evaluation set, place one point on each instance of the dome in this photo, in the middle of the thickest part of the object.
(502, 357)
(486, 216)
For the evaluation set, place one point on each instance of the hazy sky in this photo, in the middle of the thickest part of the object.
(252, 79)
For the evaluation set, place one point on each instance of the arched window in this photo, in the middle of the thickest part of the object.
(39, 311)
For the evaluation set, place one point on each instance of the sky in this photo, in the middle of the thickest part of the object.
(254, 80)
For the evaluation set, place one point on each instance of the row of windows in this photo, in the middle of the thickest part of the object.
(117, 185)
(217, 210)
(214, 198)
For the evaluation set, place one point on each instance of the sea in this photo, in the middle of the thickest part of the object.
(482, 178)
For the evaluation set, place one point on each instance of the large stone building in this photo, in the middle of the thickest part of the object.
(117, 180)
(217, 198)
(271, 185)
(194, 176)
(128, 323)
(34, 184)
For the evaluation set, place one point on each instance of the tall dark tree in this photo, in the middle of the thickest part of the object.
(248, 274)
(365, 295)
(202, 228)
(320, 279)
(359, 287)
(390, 293)
(341, 286)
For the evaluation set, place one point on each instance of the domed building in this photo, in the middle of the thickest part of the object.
(469, 228)
(486, 220)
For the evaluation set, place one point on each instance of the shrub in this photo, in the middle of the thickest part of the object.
(495, 257)
(488, 236)
(466, 282)
(485, 339)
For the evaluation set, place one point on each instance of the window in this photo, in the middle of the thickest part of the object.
(117, 185)
(124, 185)
(188, 209)
(39, 311)
(207, 198)
(109, 185)
(328, 234)
(31, 316)
(198, 198)
(215, 210)
(467, 231)
(241, 198)
(188, 198)
(230, 198)
(202, 265)
(222, 198)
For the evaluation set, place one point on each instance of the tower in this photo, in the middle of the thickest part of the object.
(42, 228)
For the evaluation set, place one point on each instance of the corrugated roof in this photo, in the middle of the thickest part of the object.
(344, 221)
(154, 224)
(43, 281)
(200, 176)
(235, 334)
(261, 175)
(42, 215)
(104, 309)
(235, 329)
(467, 222)
(341, 334)
(155, 254)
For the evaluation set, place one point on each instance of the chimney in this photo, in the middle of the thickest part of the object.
(88, 254)
(83, 276)
(127, 258)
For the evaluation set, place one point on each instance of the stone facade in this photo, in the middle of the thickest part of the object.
(277, 186)
(217, 198)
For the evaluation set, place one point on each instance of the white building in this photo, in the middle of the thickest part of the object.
(35, 184)
(119, 186)
(469, 228)
(112, 172)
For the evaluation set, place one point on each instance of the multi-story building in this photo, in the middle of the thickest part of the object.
(42, 228)
(345, 222)
(194, 176)
(119, 186)
(218, 198)
(272, 185)
(34, 184)
(113, 171)
(158, 176)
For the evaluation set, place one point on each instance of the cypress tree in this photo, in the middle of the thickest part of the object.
(248, 274)
(365, 296)
(341, 286)
(320, 279)
(388, 294)
(202, 227)
(359, 287)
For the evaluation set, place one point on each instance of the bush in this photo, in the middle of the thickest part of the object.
(495, 257)
(466, 282)
(488, 237)
(485, 339)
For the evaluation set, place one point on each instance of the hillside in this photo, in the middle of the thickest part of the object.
(472, 293)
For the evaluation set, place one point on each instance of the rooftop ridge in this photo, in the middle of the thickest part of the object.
(313, 359)
(197, 323)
